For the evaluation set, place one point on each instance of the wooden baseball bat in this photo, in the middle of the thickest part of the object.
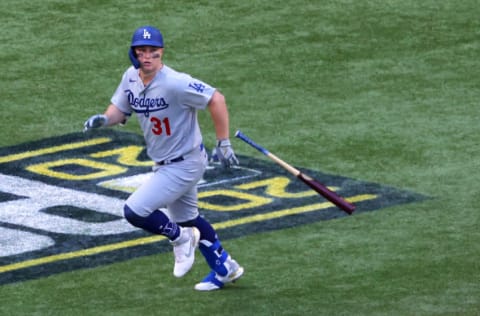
(311, 182)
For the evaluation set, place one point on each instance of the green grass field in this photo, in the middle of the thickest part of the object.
(381, 91)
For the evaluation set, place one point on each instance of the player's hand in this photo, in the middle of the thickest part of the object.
(95, 121)
(224, 153)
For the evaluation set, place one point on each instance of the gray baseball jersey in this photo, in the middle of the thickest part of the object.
(166, 110)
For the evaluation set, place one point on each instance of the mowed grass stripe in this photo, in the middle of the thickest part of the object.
(156, 238)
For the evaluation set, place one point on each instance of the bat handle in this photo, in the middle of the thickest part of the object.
(245, 138)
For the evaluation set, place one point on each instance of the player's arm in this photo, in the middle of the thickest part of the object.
(112, 116)
(219, 113)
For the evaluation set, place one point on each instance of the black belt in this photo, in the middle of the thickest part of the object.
(166, 162)
(178, 159)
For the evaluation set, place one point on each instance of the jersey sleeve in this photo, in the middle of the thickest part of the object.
(194, 93)
(120, 98)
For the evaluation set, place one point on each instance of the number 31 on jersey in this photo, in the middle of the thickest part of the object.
(161, 126)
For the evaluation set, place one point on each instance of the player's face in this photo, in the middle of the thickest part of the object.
(150, 57)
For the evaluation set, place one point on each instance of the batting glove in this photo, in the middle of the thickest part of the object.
(224, 153)
(95, 121)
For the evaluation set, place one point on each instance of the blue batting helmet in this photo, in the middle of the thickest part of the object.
(144, 36)
(147, 36)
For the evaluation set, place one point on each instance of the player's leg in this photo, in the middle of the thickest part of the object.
(145, 209)
(224, 268)
(183, 239)
(156, 222)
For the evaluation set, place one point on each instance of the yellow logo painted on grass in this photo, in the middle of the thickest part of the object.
(61, 200)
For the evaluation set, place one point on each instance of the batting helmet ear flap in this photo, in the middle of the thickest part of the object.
(133, 58)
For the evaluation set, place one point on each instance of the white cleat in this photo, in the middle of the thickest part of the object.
(184, 250)
(214, 281)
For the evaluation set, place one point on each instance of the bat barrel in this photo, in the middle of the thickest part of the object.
(327, 193)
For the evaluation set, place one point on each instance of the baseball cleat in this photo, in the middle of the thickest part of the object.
(214, 281)
(184, 250)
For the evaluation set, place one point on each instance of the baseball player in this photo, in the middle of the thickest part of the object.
(165, 103)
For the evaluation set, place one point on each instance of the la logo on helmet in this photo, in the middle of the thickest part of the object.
(146, 34)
